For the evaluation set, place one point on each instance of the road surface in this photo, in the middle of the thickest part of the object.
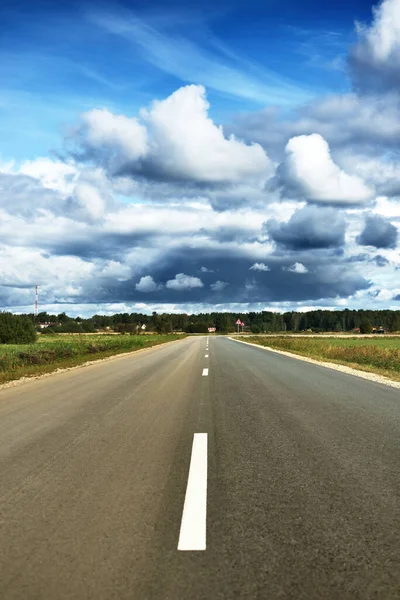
(290, 489)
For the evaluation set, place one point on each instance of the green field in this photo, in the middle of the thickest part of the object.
(54, 351)
(376, 355)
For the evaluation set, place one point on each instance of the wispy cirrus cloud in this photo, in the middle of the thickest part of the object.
(213, 65)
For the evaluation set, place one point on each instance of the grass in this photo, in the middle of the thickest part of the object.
(375, 355)
(54, 351)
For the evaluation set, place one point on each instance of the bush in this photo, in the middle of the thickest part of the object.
(255, 329)
(16, 329)
(69, 327)
(47, 331)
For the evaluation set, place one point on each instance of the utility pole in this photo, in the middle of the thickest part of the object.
(36, 301)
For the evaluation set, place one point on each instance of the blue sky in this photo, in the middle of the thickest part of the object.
(61, 58)
(185, 155)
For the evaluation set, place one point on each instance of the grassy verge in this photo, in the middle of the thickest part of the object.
(381, 356)
(52, 352)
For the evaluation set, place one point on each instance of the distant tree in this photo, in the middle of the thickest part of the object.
(197, 328)
(365, 326)
(255, 329)
(289, 321)
(43, 317)
(88, 326)
(69, 327)
(16, 329)
(62, 318)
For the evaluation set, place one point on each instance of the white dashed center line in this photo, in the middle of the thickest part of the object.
(206, 356)
(205, 373)
(194, 518)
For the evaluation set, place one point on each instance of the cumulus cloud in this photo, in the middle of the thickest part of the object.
(259, 267)
(183, 282)
(353, 122)
(88, 202)
(379, 171)
(112, 139)
(378, 232)
(375, 59)
(309, 172)
(173, 140)
(296, 268)
(115, 270)
(25, 196)
(52, 174)
(218, 286)
(197, 200)
(309, 228)
(147, 284)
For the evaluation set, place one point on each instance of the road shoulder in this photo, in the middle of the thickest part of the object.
(330, 365)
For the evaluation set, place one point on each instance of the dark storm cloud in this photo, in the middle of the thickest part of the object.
(309, 228)
(323, 280)
(358, 258)
(378, 232)
(380, 261)
(98, 244)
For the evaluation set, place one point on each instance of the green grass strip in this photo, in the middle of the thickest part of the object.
(58, 351)
(381, 356)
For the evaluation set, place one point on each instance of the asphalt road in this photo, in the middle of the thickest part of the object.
(298, 472)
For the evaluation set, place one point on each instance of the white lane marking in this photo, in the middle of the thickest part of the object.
(206, 356)
(194, 517)
(205, 373)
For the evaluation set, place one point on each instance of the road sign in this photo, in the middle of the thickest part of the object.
(143, 326)
(238, 322)
(211, 329)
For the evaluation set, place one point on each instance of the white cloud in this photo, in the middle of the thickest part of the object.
(113, 269)
(53, 174)
(187, 144)
(310, 171)
(218, 67)
(385, 35)
(259, 267)
(375, 59)
(205, 270)
(184, 282)
(26, 267)
(382, 39)
(147, 284)
(296, 268)
(173, 139)
(119, 136)
(218, 286)
(88, 201)
(383, 174)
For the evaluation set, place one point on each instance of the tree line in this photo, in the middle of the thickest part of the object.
(22, 329)
(256, 322)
